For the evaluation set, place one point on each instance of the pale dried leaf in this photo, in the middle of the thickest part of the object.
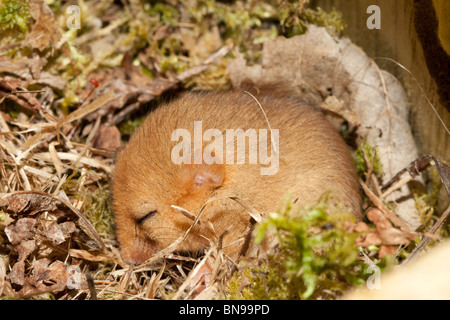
(48, 276)
(20, 231)
(57, 233)
(45, 30)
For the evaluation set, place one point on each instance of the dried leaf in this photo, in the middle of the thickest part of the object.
(15, 90)
(387, 250)
(45, 30)
(17, 273)
(57, 233)
(25, 248)
(444, 172)
(108, 137)
(371, 238)
(83, 254)
(31, 203)
(48, 276)
(380, 221)
(50, 80)
(20, 231)
(91, 107)
(55, 159)
(380, 205)
(388, 234)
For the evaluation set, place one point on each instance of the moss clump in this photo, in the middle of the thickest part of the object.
(317, 257)
(294, 18)
(97, 208)
(14, 14)
(369, 153)
(331, 20)
(426, 201)
(130, 125)
(95, 201)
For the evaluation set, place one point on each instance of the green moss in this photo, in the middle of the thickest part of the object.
(97, 208)
(96, 202)
(164, 13)
(14, 14)
(317, 257)
(371, 154)
(427, 201)
(4, 218)
(331, 20)
(248, 24)
(129, 126)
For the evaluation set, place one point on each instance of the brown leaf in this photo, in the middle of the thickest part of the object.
(361, 227)
(57, 233)
(387, 250)
(17, 67)
(20, 231)
(15, 89)
(3, 264)
(48, 276)
(396, 237)
(29, 203)
(379, 219)
(388, 234)
(370, 239)
(17, 273)
(99, 102)
(83, 254)
(444, 172)
(384, 233)
(45, 30)
(381, 206)
(108, 137)
(49, 79)
(21, 236)
(32, 202)
(25, 248)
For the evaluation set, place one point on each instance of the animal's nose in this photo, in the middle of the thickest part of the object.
(138, 253)
(136, 258)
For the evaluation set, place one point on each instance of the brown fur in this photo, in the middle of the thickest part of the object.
(313, 159)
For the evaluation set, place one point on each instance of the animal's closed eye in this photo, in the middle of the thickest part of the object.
(144, 217)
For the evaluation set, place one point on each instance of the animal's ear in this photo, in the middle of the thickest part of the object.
(200, 175)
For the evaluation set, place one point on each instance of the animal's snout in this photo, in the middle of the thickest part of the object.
(139, 251)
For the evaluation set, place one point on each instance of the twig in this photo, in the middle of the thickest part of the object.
(421, 89)
(191, 275)
(380, 205)
(415, 253)
(396, 186)
(414, 169)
